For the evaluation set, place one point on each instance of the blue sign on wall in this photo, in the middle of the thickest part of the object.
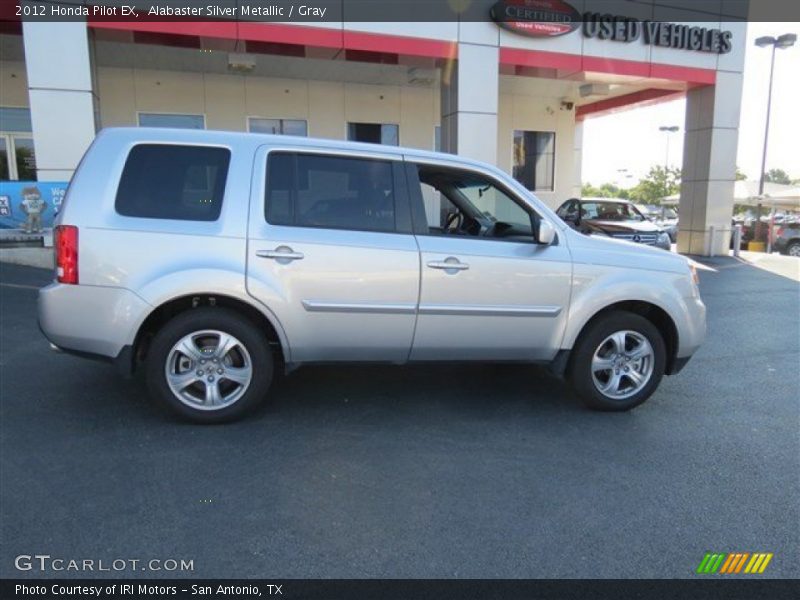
(30, 205)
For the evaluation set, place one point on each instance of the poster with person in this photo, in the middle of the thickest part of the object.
(30, 206)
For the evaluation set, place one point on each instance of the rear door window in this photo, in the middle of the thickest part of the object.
(334, 192)
(164, 181)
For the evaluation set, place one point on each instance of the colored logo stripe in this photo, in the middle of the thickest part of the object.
(732, 562)
(710, 563)
(758, 563)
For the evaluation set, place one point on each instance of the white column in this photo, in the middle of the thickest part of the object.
(577, 160)
(62, 98)
(709, 156)
(469, 103)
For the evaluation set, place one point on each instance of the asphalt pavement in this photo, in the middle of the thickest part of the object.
(418, 471)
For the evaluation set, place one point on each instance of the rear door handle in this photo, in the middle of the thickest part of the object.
(450, 263)
(280, 253)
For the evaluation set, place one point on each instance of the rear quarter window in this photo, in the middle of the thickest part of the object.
(165, 181)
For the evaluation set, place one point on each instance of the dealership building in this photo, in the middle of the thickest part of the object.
(512, 89)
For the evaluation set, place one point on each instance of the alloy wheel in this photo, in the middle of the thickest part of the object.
(208, 369)
(622, 364)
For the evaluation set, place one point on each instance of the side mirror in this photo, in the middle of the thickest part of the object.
(546, 234)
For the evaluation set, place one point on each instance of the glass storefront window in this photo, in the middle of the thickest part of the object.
(170, 120)
(534, 159)
(15, 119)
(387, 134)
(17, 154)
(278, 126)
(5, 167)
(25, 159)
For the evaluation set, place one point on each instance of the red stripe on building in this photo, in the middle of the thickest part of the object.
(597, 64)
(398, 44)
(213, 29)
(688, 74)
(320, 37)
(601, 64)
(337, 38)
(535, 58)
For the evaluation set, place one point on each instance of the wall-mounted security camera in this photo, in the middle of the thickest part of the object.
(567, 105)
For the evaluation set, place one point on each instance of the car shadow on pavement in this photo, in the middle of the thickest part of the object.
(478, 388)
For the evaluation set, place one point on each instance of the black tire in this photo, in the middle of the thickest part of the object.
(579, 372)
(219, 319)
(793, 249)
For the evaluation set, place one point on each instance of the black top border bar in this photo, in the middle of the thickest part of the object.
(311, 12)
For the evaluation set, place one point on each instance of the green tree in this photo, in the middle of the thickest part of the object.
(589, 191)
(739, 175)
(778, 176)
(613, 191)
(606, 190)
(659, 183)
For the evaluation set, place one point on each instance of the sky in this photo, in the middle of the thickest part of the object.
(638, 144)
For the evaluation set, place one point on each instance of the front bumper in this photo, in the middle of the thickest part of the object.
(692, 331)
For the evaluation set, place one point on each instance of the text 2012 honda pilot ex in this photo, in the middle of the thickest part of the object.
(205, 259)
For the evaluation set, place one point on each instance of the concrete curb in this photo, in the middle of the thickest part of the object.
(28, 257)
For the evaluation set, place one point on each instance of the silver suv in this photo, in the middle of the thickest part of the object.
(208, 260)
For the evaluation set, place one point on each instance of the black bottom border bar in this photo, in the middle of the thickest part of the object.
(400, 589)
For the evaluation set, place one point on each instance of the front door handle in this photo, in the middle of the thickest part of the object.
(450, 264)
(280, 253)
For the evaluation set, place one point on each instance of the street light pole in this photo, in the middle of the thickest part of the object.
(783, 41)
(766, 126)
(668, 130)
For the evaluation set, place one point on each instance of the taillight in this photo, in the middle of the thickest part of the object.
(779, 232)
(65, 240)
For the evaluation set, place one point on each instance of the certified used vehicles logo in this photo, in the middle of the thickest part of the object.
(536, 18)
(727, 563)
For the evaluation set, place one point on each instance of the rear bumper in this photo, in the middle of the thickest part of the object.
(123, 362)
(91, 321)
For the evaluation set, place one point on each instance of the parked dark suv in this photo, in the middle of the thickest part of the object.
(615, 218)
(787, 239)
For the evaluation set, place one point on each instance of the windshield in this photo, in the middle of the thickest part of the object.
(610, 211)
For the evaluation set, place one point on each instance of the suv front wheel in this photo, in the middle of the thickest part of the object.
(618, 362)
(209, 365)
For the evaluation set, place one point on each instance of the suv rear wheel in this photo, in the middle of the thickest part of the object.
(793, 249)
(209, 365)
(618, 362)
